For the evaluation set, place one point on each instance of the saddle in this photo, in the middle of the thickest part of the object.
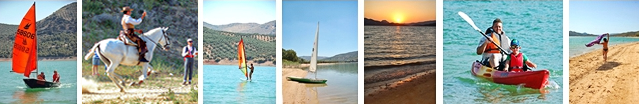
(122, 37)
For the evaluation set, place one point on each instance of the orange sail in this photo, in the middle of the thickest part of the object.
(25, 45)
(241, 57)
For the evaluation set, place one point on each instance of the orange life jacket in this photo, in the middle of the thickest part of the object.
(491, 48)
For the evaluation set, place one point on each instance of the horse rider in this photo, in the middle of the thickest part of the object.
(128, 24)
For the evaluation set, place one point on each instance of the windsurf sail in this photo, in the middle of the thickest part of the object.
(597, 40)
(241, 57)
(25, 45)
(313, 66)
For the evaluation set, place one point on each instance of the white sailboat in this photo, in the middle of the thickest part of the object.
(313, 67)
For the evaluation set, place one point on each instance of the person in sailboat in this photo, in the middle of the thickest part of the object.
(41, 76)
(251, 75)
(56, 76)
(128, 24)
(188, 52)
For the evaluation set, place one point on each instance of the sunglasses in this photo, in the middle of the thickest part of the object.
(190, 41)
(514, 46)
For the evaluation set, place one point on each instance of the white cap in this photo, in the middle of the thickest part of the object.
(188, 40)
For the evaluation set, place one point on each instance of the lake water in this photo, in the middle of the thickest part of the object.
(227, 84)
(537, 25)
(399, 45)
(13, 89)
(577, 43)
(341, 87)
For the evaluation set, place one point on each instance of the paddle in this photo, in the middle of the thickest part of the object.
(470, 21)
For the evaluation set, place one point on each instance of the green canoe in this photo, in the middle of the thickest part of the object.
(306, 80)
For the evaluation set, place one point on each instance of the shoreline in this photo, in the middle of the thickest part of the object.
(592, 79)
(294, 92)
(414, 88)
(47, 59)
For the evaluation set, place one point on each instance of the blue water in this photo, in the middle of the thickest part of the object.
(536, 24)
(227, 84)
(13, 89)
(577, 43)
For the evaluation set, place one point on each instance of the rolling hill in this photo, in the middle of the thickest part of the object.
(344, 57)
(266, 28)
(372, 22)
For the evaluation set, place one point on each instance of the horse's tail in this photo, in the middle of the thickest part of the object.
(91, 51)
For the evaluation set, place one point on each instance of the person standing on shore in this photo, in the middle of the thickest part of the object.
(96, 62)
(489, 51)
(605, 47)
(188, 52)
(251, 75)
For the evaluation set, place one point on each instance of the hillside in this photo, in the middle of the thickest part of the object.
(625, 34)
(372, 22)
(266, 28)
(573, 33)
(101, 20)
(222, 45)
(56, 34)
(344, 57)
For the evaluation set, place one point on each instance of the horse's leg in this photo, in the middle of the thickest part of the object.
(142, 77)
(112, 75)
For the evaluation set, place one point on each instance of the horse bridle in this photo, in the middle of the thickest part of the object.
(164, 34)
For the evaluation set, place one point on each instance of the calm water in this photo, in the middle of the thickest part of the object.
(341, 87)
(398, 45)
(227, 84)
(13, 89)
(577, 43)
(538, 27)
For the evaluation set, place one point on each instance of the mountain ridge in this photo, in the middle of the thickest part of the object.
(265, 28)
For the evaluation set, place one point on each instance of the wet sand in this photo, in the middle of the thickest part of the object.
(614, 82)
(296, 93)
(413, 84)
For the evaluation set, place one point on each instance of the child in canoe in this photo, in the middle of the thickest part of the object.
(515, 61)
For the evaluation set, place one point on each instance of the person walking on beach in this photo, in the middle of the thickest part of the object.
(56, 76)
(251, 75)
(605, 47)
(516, 61)
(188, 52)
(490, 53)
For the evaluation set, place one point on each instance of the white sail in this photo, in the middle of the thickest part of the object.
(313, 66)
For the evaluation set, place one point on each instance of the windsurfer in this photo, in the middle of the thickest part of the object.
(251, 75)
(516, 60)
(128, 23)
(490, 53)
(188, 52)
(56, 76)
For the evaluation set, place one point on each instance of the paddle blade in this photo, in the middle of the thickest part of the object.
(468, 19)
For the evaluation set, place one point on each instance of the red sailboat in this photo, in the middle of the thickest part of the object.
(25, 49)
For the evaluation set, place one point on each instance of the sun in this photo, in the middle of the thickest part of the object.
(398, 17)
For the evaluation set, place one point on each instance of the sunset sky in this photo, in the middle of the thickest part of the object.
(400, 11)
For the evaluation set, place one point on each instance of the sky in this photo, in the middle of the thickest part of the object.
(13, 11)
(337, 26)
(400, 11)
(598, 17)
(239, 11)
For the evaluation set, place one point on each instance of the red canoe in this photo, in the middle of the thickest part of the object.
(532, 79)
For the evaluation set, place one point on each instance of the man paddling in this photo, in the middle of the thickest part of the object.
(489, 51)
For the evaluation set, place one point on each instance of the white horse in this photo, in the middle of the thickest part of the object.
(114, 52)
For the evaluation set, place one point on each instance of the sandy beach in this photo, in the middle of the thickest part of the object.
(614, 82)
(419, 88)
(293, 92)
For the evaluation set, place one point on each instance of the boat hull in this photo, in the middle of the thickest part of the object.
(306, 80)
(34, 83)
(532, 79)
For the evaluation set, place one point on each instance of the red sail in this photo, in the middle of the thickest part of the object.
(25, 45)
